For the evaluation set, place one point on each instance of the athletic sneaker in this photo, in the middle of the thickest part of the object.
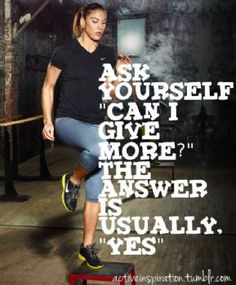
(88, 254)
(70, 193)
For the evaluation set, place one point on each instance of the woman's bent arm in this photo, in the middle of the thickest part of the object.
(47, 100)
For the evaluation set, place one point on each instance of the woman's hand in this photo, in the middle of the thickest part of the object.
(48, 131)
(122, 59)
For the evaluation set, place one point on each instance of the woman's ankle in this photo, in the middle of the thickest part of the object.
(75, 180)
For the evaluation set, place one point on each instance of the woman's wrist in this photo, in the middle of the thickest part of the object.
(47, 122)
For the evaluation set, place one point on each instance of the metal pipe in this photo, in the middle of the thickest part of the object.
(32, 18)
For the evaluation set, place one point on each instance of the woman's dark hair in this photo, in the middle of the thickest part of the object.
(84, 12)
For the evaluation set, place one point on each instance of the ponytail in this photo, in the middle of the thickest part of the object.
(77, 30)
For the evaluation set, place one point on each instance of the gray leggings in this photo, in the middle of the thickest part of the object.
(84, 137)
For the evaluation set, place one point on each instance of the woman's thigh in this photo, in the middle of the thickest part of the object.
(78, 134)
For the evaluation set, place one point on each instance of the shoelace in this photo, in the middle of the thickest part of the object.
(94, 250)
(75, 192)
(73, 189)
(94, 247)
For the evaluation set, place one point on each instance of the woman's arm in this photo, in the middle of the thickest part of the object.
(47, 100)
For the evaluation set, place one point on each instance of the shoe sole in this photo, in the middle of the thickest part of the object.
(63, 182)
(82, 258)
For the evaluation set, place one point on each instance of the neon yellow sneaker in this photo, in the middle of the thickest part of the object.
(70, 193)
(88, 254)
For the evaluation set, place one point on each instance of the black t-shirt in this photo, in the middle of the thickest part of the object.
(80, 97)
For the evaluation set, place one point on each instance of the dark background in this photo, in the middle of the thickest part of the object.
(186, 40)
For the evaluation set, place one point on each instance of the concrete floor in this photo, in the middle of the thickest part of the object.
(39, 239)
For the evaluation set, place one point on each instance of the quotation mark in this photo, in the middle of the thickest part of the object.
(102, 240)
(190, 145)
(102, 106)
(160, 240)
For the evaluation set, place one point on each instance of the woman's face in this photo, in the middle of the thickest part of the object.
(95, 24)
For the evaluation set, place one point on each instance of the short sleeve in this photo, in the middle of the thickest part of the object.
(58, 58)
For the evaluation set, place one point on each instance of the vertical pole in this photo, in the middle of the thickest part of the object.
(10, 192)
(8, 59)
(44, 172)
(14, 152)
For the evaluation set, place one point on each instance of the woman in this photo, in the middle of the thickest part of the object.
(80, 64)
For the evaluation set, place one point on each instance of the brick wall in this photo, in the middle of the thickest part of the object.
(1, 57)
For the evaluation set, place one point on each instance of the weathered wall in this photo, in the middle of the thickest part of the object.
(187, 40)
(190, 40)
